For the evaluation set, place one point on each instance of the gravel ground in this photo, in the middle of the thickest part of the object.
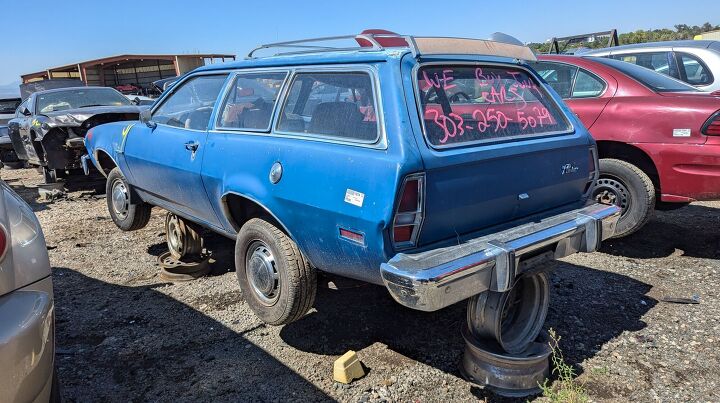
(125, 335)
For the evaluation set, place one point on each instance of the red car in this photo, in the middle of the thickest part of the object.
(658, 138)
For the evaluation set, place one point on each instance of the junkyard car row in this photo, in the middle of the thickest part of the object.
(443, 169)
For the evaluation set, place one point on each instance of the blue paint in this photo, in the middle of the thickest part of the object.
(469, 190)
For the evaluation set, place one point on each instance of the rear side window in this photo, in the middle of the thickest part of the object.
(469, 104)
(339, 105)
(662, 62)
(696, 73)
(587, 85)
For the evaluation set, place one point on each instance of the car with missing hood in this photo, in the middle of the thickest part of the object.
(49, 127)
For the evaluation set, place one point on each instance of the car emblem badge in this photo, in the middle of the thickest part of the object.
(569, 169)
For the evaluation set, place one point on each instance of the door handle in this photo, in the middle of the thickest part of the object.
(192, 146)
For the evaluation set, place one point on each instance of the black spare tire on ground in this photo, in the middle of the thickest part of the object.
(275, 278)
(127, 216)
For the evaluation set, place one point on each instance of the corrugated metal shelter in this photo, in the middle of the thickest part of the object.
(140, 70)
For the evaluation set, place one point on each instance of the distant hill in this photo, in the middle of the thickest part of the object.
(11, 90)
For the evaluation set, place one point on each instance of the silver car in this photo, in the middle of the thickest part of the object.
(27, 313)
(694, 62)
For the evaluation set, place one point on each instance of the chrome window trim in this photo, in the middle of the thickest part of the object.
(178, 84)
(362, 69)
(572, 88)
(379, 144)
(416, 91)
(225, 93)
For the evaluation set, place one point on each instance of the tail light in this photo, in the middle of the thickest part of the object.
(409, 212)
(4, 241)
(712, 126)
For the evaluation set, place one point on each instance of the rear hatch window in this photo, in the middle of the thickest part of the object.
(463, 105)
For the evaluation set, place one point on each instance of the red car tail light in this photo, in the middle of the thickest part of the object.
(409, 211)
(4, 241)
(712, 126)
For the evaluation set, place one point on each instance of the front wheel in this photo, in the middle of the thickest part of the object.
(275, 278)
(127, 216)
(627, 186)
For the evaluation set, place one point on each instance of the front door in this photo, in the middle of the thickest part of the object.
(165, 161)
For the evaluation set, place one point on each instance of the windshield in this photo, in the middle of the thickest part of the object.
(79, 98)
(9, 105)
(470, 104)
(655, 81)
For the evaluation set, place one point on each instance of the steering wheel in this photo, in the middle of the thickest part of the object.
(456, 96)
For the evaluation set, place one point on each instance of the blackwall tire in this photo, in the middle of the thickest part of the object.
(627, 186)
(126, 216)
(275, 278)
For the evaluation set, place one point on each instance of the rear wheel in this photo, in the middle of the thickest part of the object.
(127, 216)
(277, 281)
(627, 186)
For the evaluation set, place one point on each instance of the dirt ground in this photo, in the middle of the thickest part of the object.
(125, 335)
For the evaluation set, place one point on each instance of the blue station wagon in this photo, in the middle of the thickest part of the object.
(440, 168)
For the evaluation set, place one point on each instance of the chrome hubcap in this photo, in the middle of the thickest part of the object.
(262, 273)
(120, 199)
(611, 191)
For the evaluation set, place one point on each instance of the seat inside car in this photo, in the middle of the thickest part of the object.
(336, 118)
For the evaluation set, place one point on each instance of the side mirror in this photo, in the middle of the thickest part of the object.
(146, 118)
(25, 111)
(135, 101)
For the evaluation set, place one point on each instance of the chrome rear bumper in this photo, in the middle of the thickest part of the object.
(437, 278)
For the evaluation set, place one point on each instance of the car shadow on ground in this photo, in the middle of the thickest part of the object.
(689, 231)
(151, 347)
(588, 308)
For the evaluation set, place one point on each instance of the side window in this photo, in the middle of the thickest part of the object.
(331, 104)
(559, 76)
(696, 72)
(662, 62)
(191, 105)
(251, 100)
(587, 85)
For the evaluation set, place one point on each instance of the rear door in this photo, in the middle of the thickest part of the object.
(495, 145)
(166, 161)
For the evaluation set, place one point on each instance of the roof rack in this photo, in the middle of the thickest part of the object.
(418, 45)
(579, 39)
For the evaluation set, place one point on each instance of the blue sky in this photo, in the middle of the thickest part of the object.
(50, 33)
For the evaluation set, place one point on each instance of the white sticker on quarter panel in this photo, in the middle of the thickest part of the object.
(355, 198)
(681, 132)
